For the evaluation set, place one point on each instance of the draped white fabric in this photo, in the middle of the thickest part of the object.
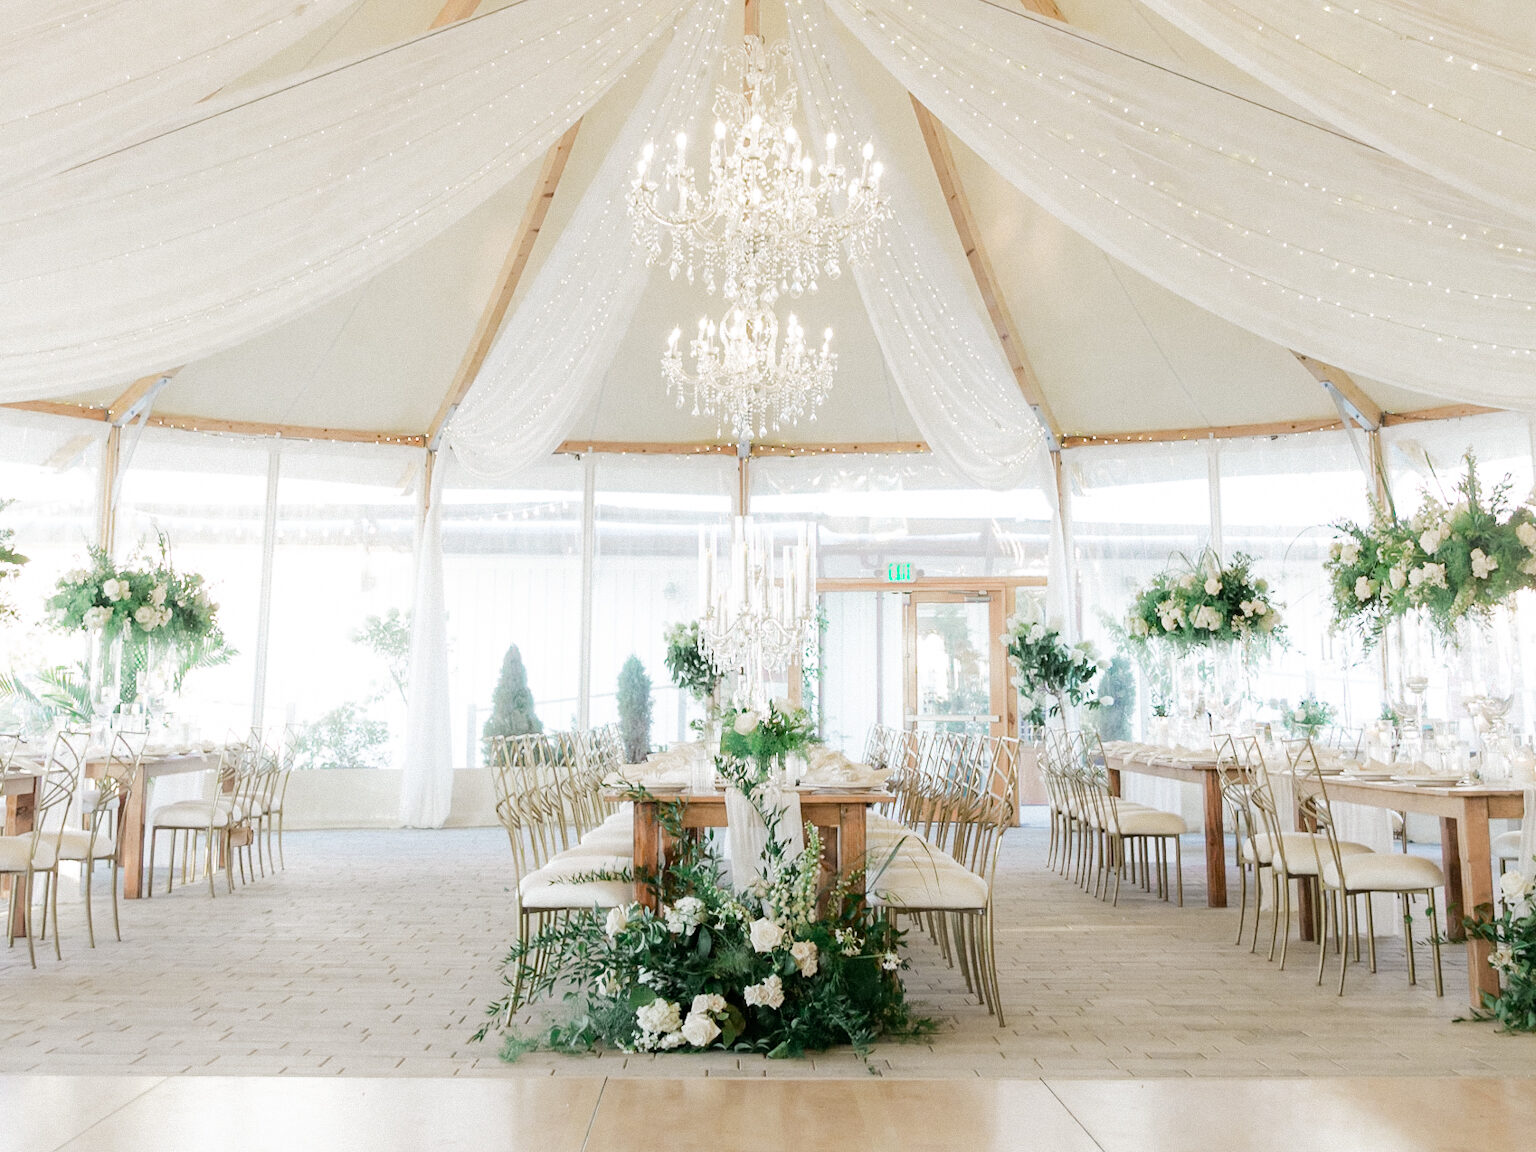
(269, 205)
(79, 78)
(1447, 87)
(944, 358)
(747, 834)
(1294, 232)
(551, 355)
(426, 753)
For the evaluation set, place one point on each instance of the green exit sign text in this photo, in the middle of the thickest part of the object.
(899, 573)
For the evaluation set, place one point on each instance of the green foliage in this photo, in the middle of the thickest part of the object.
(512, 703)
(1309, 717)
(1048, 672)
(1452, 561)
(343, 738)
(750, 737)
(10, 563)
(634, 699)
(764, 972)
(51, 695)
(389, 638)
(1117, 700)
(1205, 603)
(690, 666)
(1512, 934)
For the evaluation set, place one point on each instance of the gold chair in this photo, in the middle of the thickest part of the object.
(214, 817)
(98, 840)
(25, 856)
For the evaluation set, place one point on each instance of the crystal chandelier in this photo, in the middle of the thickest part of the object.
(770, 221)
(744, 376)
(759, 611)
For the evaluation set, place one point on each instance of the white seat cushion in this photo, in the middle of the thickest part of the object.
(1151, 822)
(944, 884)
(1299, 856)
(1384, 872)
(74, 843)
(196, 814)
(566, 864)
(1506, 845)
(14, 851)
(543, 891)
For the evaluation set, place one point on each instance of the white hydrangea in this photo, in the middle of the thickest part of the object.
(684, 916)
(659, 1017)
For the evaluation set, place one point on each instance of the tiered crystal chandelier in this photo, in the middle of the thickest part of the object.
(770, 222)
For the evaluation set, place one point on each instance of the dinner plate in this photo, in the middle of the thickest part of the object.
(1439, 780)
(1368, 776)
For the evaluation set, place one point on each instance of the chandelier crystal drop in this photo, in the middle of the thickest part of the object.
(771, 219)
(746, 377)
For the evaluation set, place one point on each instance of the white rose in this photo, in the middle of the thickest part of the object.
(1186, 582)
(1430, 541)
(157, 595)
(659, 1017)
(1212, 586)
(768, 994)
(1527, 533)
(148, 617)
(782, 705)
(1398, 577)
(1482, 564)
(1260, 608)
(1036, 633)
(766, 935)
(804, 952)
(114, 589)
(1349, 552)
(705, 1003)
(1300, 715)
(1435, 574)
(1502, 958)
(1514, 885)
(745, 723)
(1365, 588)
(618, 920)
(97, 617)
(699, 1030)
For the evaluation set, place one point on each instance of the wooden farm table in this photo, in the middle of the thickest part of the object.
(1205, 775)
(134, 815)
(19, 789)
(1465, 848)
(840, 816)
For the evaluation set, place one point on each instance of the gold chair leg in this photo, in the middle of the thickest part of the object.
(116, 927)
(1434, 941)
(90, 876)
(52, 896)
(1370, 936)
(1413, 976)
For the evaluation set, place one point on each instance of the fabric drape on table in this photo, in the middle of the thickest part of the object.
(276, 201)
(551, 355)
(1295, 232)
(426, 753)
(1448, 88)
(942, 355)
(1528, 831)
(747, 835)
(79, 78)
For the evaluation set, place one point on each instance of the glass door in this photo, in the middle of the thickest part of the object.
(957, 678)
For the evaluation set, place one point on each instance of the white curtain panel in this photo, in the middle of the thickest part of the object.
(550, 357)
(425, 756)
(942, 354)
(1444, 85)
(1295, 232)
(79, 78)
(273, 203)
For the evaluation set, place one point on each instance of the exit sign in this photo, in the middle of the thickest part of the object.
(899, 573)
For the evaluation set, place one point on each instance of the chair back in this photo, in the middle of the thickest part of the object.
(1312, 808)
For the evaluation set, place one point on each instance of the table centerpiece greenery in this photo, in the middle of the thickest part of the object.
(691, 666)
(1308, 718)
(1452, 560)
(780, 969)
(761, 739)
(1050, 673)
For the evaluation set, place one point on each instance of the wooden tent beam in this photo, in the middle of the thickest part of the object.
(285, 431)
(944, 168)
(512, 269)
(140, 388)
(452, 12)
(705, 448)
(1367, 412)
(1445, 412)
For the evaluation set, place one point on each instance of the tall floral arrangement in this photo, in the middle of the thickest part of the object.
(1048, 671)
(779, 969)
(690, 664)
(1511, 930)
(10, 563)
(759, 738)
(1453, 560)
(154, 609)
(1207, 603)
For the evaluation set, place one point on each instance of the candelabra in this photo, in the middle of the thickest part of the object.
(759, 607)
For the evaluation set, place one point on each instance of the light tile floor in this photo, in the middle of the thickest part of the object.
(375, 952)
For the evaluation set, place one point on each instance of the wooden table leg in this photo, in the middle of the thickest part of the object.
(648, 851)
(131, 836)
(1476, 866)
(1215, 845)
(19, 823)
(850, 844)
(1451, 858)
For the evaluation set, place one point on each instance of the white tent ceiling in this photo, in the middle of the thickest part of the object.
(1115, 353)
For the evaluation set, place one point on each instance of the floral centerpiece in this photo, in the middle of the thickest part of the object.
(774, 970)
(150, 608)
(692, 668)
(1309, 717)
(10, 563)
(763, 738)
(1207, 604)
(1453, 560)
(1049, 672)
(1512, 933)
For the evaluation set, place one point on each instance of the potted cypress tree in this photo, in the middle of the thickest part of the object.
(634, 710)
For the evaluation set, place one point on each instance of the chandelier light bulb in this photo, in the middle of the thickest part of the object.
(719, 129)
(869, 150)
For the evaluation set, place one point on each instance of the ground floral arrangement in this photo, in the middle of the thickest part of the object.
(767, 971)
(1207, 603)
(1049, 672)
(1512, 933)
(1453, 560)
